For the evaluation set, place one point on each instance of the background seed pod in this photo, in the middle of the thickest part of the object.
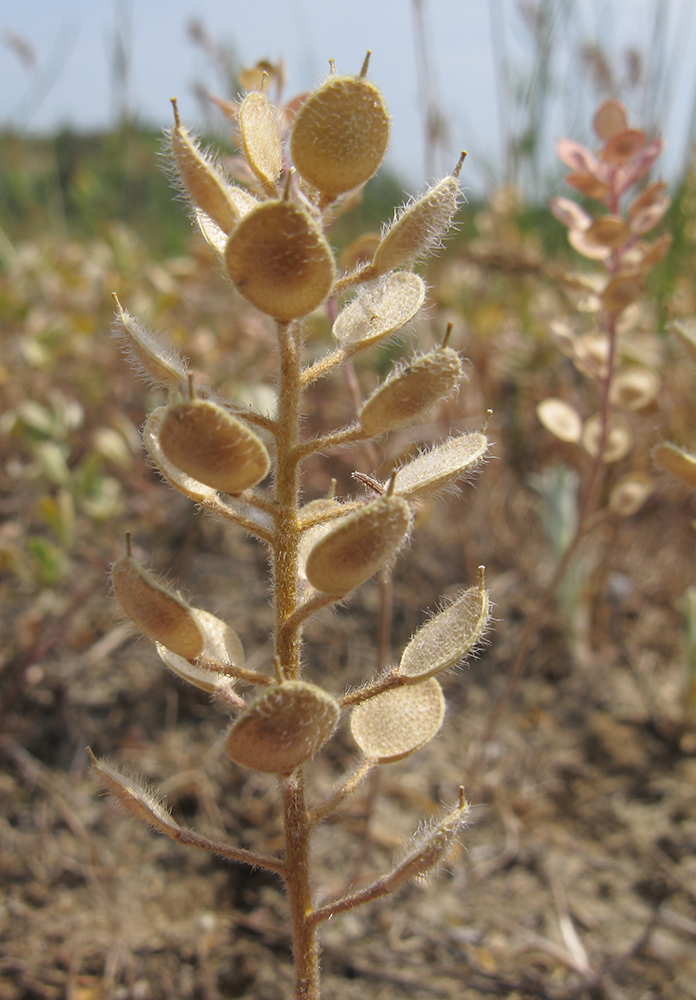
(396, 723)
(361, 544)
(448, 636)
(156, 611)
(283, 728)
(209, 444)
(340, 135)
(408, 395)
(676, 460)
(379, 310)
(433, 471)
(280, 261)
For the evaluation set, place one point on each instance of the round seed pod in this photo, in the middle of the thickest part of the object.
(419, 229)
(361, 544)
(619, 438)
(396, 723)
(280, 261)
(447, 637)
(408, 395)
(284, 727)
(260, 137)
(630, 493)
(221, 645)
(340, 135)
(676, 460)
(610, 119)
(634, 388)
(180, 480)
(379, 311)
(433, 471)
(621, 291)
(210, 445)
(156, 611)
(608, 231)
(560, 418)
(623, 145)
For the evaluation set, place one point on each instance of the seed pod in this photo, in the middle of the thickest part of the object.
(630, 493)
(420, 227)
(201, 178)
(340, 135)
(180, 480)
(408, 395)
(623, 145)
(648, 196)
(396, 723)
(284, 727)
(621, 291)
(157, 362)
(379, 311)
(260, 138)
(134, 796)
(431, 847)
(156, 610)
(560, 418)
(676, 460)
(610, 119)
(685, 331)
(213, 447)
(634, 388)
(215, 237)
(362, 543)
(221, 645)
(619, 438)
(280, 261)
(608, 231)
(433, 471)
(449, 635)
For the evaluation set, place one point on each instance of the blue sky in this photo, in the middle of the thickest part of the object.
(74, 44)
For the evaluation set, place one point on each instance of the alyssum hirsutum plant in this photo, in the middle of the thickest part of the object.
(247, 467)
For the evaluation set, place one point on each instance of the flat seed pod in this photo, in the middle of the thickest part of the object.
(215, 237)
(430, 847)
(280, 261)
(419, 229)
(408, 395)
(588, 248)
(447, 637)
(608, 231)
(649, 195)
(155, 610)
(340, 135)
(158, 363)
(221, 645)
(588, 184)
(177, 478)
(610, 119)
(630, 493)
(623, 145)
(361, 544)
(134, 796)
(560, 418)
(210, 445)
(284, 727)
(676, 460)
(201, 178)
(260, 137)
(634, 388)
(570, 214)
(379, 311)
(685, 331)
(619, 438)
(621, 291)
(433, 471)
(396, 723)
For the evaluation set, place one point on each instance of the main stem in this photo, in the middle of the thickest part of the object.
(288, 634)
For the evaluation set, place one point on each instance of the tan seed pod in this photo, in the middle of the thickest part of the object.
(649, 195)
(360, 544)
(619, 438)
(623, 145)
(610, 119)
(560, 418)
(419, 229)
(201, 178)
(588, 184)
(588, 248)
(260, 138)
(657, 251)
(283, 728)
(215, 237)
(685, 331)
(280, 261)
(448, 636)
(158, 363)
(608, 231)
(177, 478)
(622, 289)
(570, 214)
(134, 796)
(432, 472)
(676, 460)
(630, 493)
(634, 388)
(221, 646)
(379, 310)
(396, 723)
(408, 395)
(648, 218)
(430, 847)
(155, 610)
(213, 447)
(340, 135)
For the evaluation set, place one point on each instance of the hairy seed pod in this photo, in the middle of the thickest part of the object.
(201, 178)
(284, 727)
(280, 261)
(396, 723)
(379, 310)
(155, 610)
(134, 796)
(213, 447)
(158, 363)
(560, 418)
(408, 395)
(449, 635)
(431, 847)
(361, 544)
(180, 480)
(419, 229)
(340, 135)
(260, 138)
(433, 471)
(221, 646)
(676, 460)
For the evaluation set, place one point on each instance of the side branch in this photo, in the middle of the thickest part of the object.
(386, 683)
(337, 439)
(323, 366)
(331, 804)
(184, 835)
(216, 506)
